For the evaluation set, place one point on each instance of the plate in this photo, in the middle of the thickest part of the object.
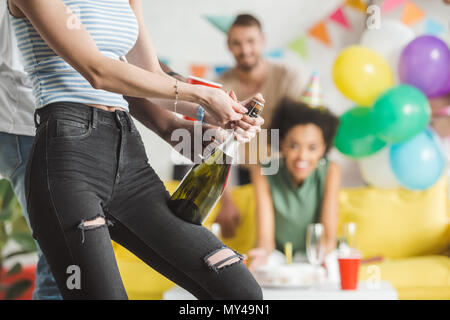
(295, 275)
(285, 286)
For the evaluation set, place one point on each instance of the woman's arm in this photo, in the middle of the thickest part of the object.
(265, 220)
(76, 47)
(330, 205)
(264, 209)
(143, 55)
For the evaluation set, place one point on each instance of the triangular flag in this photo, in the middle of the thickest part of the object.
(389, 5)
(339, 17)
(276, 53)
(299, 46)
(411, 14)
(320, 32)
(221, 69)
(164, 60)
(198, 70)
(357, 4)
(223, 23)
(433, 27)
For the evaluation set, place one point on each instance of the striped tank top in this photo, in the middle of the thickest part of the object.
(113, 27)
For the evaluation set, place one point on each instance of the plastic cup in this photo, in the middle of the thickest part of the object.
(245, 260)
(203, 82)
(348, 269)
(200, 81)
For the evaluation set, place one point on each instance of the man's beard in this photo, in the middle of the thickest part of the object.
(248, 67)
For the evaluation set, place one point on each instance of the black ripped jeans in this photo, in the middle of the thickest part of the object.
(87, 163)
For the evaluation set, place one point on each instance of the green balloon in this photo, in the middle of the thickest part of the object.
(355, 137)
(400, 113)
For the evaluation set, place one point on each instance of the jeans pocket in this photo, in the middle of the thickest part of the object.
(68, 130)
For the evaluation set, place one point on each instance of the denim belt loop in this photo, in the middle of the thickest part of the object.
(130, 122)
(117, 118)
(94, 118)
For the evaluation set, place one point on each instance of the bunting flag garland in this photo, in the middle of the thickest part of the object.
(359, 5)
(389, 5)
(221, 69)
(164, 60)
(275, 53)
(339, 17)
(299, 46)
(433, 27)
(411, 14)
(198, 70)
(223, 23)
(320, 32)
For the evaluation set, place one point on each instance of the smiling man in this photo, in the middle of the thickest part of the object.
(253, 73)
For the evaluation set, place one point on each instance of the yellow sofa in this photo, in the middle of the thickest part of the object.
(410, 230)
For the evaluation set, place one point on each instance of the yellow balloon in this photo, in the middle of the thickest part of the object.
(362, 75)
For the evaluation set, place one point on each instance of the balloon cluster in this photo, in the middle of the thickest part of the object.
(387, 131)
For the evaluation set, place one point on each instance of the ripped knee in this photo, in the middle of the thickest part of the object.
(222, 258)
(93, 223)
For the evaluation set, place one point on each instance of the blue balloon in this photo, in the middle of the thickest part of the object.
(418, 162)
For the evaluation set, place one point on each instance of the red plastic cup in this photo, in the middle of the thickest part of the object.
(244, 260)
(348, 269)
(200, 81)
(203, 82)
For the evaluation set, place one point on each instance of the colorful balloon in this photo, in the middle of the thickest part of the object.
(425, 64)
(355, 137)
(445, 90)
(362, 74)
(388, 41)
(376, 170)
(419, 162)
(400, 113)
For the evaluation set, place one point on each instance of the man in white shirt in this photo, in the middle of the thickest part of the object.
(17, 134)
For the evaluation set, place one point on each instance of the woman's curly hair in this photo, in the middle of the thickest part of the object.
(290, 113)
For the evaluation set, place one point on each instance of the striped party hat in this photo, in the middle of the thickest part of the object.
(312, 95)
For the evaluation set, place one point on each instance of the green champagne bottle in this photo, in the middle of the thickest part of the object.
(202, 187)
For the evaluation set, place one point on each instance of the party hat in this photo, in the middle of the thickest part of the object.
(312, 96)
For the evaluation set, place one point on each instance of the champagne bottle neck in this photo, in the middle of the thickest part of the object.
(230, 146)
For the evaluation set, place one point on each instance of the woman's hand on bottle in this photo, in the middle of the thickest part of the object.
(246, 128)
(223, 108)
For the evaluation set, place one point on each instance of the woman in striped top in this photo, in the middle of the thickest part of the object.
(88, 179)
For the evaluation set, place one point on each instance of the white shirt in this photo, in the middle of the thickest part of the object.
(17, 103)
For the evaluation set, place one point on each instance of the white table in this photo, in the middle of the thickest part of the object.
(330, 291)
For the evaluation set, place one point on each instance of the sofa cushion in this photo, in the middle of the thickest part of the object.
(426, 277)
(397, 223)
